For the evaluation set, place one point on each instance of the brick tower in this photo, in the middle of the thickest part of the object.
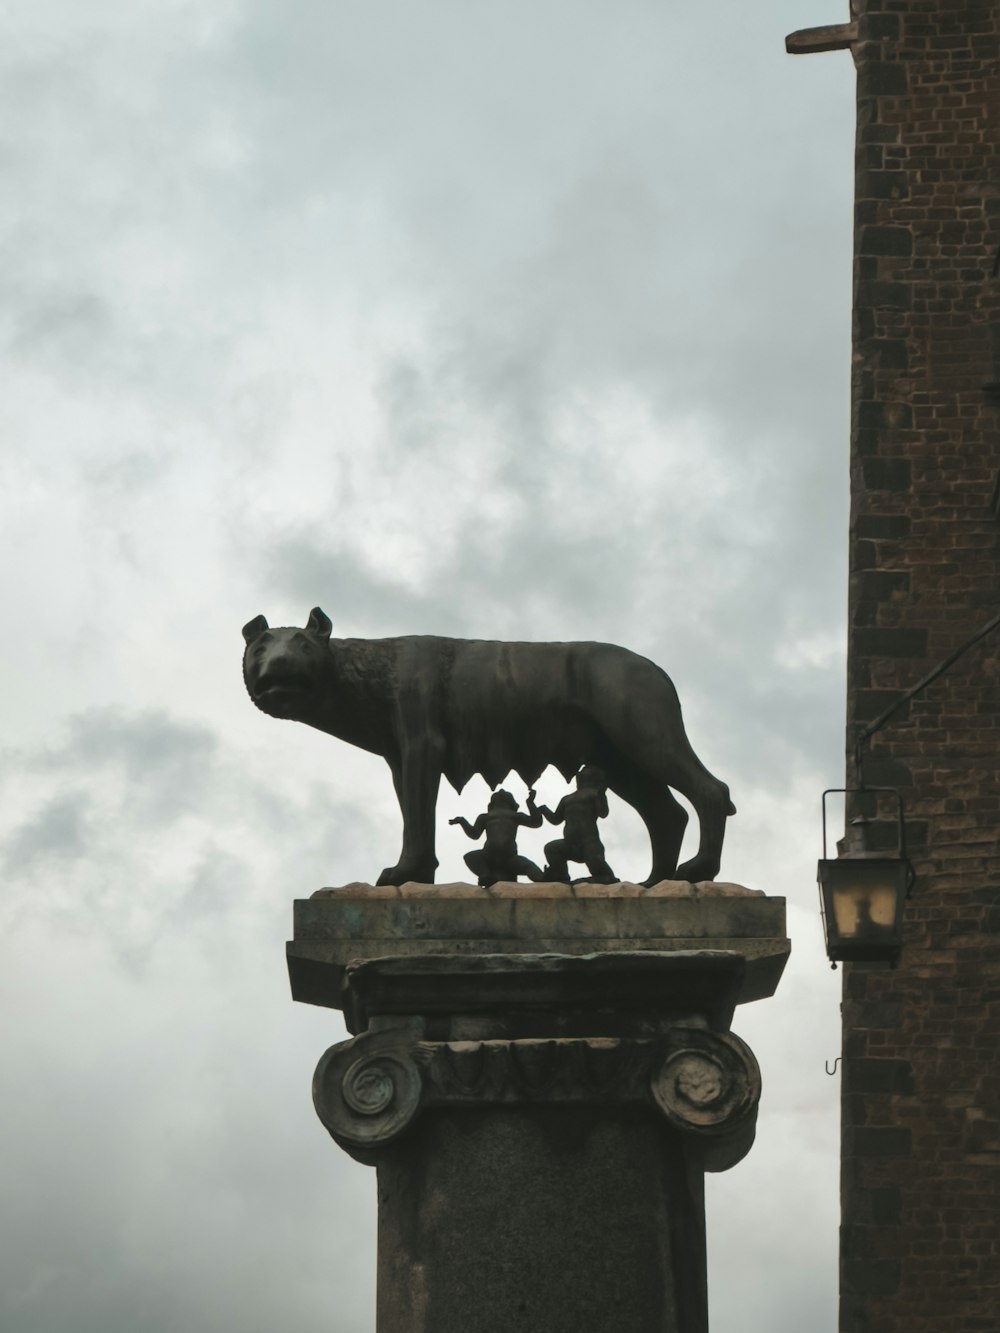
(920, 1240)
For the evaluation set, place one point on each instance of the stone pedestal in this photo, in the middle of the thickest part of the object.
(541, 1077)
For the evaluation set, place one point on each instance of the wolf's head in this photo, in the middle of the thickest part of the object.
(284, 668)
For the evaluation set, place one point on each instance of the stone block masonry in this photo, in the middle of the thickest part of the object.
(337, 926)
(921, 1082)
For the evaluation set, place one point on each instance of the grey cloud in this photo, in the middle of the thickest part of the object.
(212, 892)
(167, 764)
(118, 479)
(144, 1195)
(351, 593)
(536, 574)
(149, 829)
(57, 832)
(141, 743)
(69, 325)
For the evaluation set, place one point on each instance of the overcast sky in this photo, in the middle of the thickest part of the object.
(522, 320)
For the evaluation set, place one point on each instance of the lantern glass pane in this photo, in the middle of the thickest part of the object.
(862, 907)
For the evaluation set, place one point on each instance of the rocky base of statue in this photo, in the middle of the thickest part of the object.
(578, 888)
(540, 1118)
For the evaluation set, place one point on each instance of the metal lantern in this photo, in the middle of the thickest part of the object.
(862, 893)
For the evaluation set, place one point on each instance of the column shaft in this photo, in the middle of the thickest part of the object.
(540, 1219)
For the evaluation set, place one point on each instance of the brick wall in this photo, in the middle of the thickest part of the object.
(921, 1075)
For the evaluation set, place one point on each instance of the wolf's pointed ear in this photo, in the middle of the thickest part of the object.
(253, 629)
(319, 623)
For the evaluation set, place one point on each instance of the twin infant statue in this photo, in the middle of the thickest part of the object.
(498, 859)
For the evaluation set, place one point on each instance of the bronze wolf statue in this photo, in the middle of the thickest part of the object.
(454, 707)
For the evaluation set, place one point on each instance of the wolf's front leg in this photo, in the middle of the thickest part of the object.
(416, 775)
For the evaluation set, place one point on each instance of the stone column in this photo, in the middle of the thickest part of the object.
(541, 1077)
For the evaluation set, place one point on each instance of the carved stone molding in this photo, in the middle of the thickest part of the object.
(706, 1085)
(366, 1091)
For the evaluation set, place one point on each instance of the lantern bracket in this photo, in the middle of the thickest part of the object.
(865, 738)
